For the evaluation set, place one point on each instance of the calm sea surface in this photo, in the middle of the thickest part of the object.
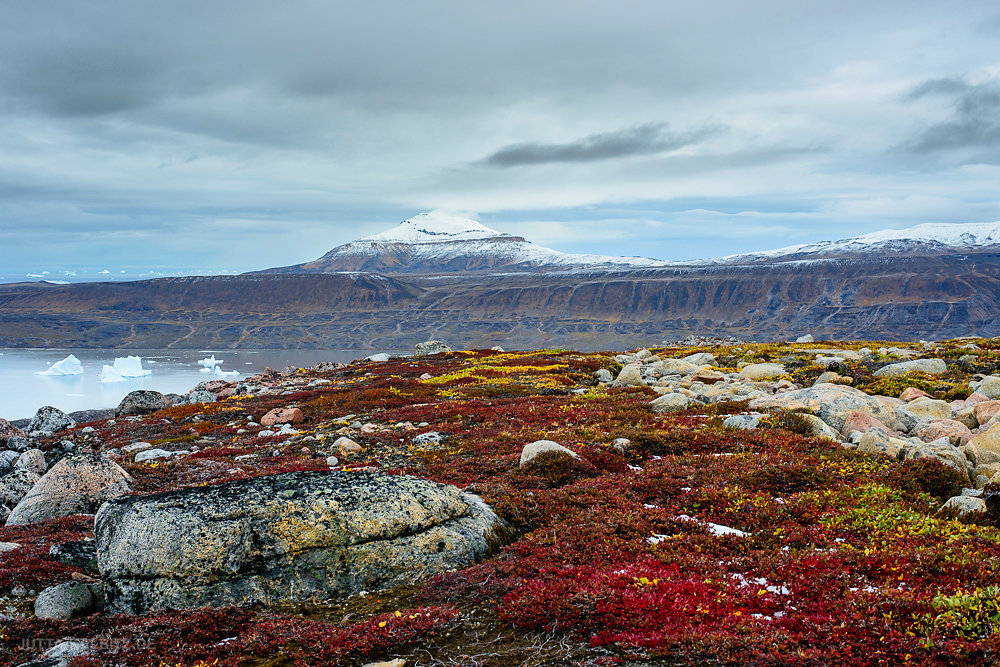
(23, 390)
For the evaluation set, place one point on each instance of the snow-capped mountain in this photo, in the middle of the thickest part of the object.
(922, 239)
(437, 242)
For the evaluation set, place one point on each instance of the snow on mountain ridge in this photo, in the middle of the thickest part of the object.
(435, 227)
(948, 235)
(440, 237)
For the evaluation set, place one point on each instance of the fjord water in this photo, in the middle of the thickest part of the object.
(23, 390)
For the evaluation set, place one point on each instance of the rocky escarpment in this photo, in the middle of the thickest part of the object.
(889, 298)
(284, 538)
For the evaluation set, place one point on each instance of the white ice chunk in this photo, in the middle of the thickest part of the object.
(210, 362)
(225, 374)
(109, 374)
(130, 367)
(68, 366)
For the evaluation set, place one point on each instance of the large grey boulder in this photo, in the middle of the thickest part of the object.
(430, 347)
(75, 485)
(16, 485)
(830, 402)
(629, 376)
(670, 402)
(929, 366)
(202, 397)
(141, 402)
(284, 538)
(50, 420)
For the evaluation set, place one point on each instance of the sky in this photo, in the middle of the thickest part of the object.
(144, 138)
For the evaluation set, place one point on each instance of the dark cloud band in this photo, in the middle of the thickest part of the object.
(645, 139)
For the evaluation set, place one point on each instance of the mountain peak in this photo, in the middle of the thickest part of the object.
(435, 227)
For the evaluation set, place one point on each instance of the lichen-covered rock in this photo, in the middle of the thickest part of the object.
(16, 485)
(990, 387)
(64, 601)
(288, 537)
(760, 371)
(675, 367)
(202, 397)
(282, 416)
(986, 445)
(669, 403)
(629, 376)
(929, 366)
(742, 422)
(830, 402)
(141, 402)
(956, 432)
(75, 485)
(8, 430)
(50, 420)
(962, 506)
(7, 458)
(33, 460)
(430, 347)
(532, 450)
(927, 408)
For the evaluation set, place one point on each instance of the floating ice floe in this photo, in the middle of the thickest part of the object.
(68, 366)
(130, 367)
(225, 374)
(210, 362)
(109, 374)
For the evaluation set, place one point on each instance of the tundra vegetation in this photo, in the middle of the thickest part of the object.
(669, 539)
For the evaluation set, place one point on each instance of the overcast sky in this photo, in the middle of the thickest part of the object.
(199, 137)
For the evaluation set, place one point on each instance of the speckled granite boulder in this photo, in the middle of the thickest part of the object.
(286, 538)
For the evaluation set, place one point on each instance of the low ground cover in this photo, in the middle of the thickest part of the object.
(690, 544)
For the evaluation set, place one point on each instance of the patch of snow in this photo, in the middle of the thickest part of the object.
(714, 528)
(435, 227)
(657, 538)
(68, 366)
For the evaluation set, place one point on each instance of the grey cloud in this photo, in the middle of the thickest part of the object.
(646, 139)
(974, 124)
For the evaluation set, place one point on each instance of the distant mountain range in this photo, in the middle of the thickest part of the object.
(436, 276)
(436, 243)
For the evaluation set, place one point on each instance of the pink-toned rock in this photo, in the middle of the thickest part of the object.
(863, 422)
(226, 392)
(707, 376)
(282, 416)
(215, 386)
(957, 433)
(8, 430)
(976, 397)
(985, 410)
(911, 393)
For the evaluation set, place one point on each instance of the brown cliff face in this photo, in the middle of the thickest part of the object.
(876, 298)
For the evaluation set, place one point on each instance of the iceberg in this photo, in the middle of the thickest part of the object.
(221, 373)
(109, 374)
(68, 366)
(130, 367)
(209, 362)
